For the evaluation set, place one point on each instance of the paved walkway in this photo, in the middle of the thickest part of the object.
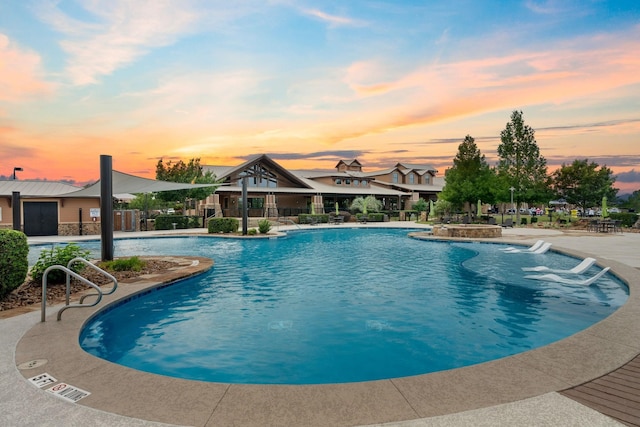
(22, 404)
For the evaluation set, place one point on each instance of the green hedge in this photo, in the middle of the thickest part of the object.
(627, 218)
(306, 218)
(223, 225)
(14, 263)
(372, 217)
(165, 222)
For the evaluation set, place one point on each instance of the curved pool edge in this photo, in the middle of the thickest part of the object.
(572, 361)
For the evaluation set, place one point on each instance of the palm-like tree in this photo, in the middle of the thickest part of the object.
(366, 204)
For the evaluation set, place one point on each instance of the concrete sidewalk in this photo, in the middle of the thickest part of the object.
(22, 404)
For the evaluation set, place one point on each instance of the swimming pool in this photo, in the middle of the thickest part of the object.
(341, 306)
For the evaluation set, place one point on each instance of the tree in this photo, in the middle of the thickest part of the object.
(186, 173)
(520, 165)
(582, 183)
(470, 178)
(366, 204)
(633, 202)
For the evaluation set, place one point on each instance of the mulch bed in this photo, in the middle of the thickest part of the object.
(30, 292)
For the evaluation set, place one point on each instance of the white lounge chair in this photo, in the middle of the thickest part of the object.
(535, 246)
(578, 269)
(558, 279)
(542, 249)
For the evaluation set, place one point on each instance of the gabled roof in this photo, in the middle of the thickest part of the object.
(383, 172)
(349, 162)
(261, 158)
(327, 174)
(35, 188)
(416, 167)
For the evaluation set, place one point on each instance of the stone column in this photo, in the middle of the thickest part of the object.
(270, 206)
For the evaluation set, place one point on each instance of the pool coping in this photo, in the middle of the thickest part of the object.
(582, 357)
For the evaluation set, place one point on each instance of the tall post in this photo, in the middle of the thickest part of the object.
(513, 208)
(79, 221)
(106, 207)
(245, 207)
(16, 210)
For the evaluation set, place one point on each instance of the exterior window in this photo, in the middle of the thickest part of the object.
(338, 181)
(411, 178)
(260, 177)
(395, 178)
(356, 182)
(365, 183)
(347, 182)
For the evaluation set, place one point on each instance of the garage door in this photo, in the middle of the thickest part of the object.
(40, 218)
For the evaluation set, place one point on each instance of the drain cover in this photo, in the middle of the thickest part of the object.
(32, 364)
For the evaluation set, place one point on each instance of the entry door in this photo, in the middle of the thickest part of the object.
(40, 218)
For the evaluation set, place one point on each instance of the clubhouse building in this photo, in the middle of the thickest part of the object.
(55, 208)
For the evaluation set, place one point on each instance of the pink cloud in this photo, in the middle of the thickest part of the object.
(20, 73)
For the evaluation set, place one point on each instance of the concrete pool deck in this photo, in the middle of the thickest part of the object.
(518, 390)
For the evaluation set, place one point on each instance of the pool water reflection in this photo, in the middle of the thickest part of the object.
(343, 305)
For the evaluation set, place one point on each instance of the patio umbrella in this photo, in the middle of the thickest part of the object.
(313, 208)
(337, 210)
(479, 207)
(432, 209)
(605, 213)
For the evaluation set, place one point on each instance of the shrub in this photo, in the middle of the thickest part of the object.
(306, 218)
(627, 218)
(534, 219)
(252, 232)
(123, 264)
(165, 222)
(223, 225)
(372, 217)
(195, 222)
(264, 226)
(14, 263)
(58, 255)
(523, 221)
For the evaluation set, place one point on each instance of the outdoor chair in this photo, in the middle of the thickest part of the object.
(532, 248)
(558, 279)
(507, 223)
(617, 226)
(593, 225)
(541, 250)
(578, 269)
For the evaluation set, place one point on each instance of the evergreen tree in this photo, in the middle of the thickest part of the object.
(470, 178)
(520, 165)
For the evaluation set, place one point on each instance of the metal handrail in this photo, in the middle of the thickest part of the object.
(96, 268)
(281, 220)
(69, 274)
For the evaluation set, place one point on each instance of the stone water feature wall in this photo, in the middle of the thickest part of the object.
(469, 231)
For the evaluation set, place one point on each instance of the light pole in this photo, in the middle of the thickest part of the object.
(512, 207)
(16, 169)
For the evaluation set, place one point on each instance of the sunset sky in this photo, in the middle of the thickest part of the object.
(313, 82)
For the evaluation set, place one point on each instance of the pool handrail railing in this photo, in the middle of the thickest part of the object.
(70, 273)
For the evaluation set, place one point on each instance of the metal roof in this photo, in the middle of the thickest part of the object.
(36, 188)
(125, 183)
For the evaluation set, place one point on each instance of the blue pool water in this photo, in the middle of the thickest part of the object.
(342, 305)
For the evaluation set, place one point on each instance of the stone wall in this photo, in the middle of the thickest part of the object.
(72, 229)
(469, 231)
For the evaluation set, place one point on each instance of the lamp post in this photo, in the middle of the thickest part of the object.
(16, 169)
(512, 207)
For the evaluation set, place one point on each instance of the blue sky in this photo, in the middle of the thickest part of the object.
(311, 83)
